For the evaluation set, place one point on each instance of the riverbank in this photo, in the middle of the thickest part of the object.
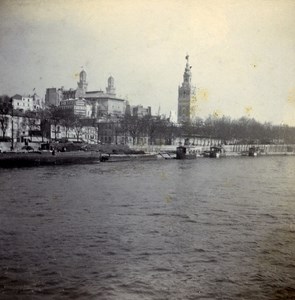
(229, 150)
(104, 148)
(65, 154)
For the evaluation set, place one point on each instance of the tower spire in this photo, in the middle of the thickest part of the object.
(185, 93)
(187, 76)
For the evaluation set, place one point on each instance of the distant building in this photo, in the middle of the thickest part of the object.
(173, 116)
(78, 106)
(186, 96)
(141, 111)
(137, 110)
(38, 102)
(87, 134)
(68, 94)
(22, 103)
(27, 103)
(106, 104)
(53, 96)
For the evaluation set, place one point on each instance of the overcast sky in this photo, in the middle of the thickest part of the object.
(242, 52)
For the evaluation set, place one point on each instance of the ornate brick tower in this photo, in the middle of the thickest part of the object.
(185, 95)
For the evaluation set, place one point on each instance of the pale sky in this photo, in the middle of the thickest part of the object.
(242, 52)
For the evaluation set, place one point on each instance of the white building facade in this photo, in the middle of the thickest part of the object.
(78, 106)
(27, 103)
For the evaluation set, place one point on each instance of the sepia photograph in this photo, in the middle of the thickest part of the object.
(147, 149)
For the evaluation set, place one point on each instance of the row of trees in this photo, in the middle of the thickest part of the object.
(242, 130)
(156, 128)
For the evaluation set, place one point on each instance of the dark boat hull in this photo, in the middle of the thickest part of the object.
(186, 156)
(16, 160)
(127, 157)
(183, 152)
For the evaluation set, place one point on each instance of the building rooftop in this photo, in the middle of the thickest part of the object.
(17, 96)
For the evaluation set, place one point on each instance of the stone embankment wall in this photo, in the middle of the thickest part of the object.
(229, 149)
(265, 148)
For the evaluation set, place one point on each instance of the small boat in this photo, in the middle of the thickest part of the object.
(254, 151)
(214, 152)
(183, 152)
(244, 153)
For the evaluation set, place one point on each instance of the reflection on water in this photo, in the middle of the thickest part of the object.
(203, 229)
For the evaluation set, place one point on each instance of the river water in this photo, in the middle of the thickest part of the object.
(196, 229)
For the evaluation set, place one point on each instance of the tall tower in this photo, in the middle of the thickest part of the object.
(111, 86)
(185, 94)
(82, 84)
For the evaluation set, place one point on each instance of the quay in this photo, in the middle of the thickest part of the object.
(114, 153)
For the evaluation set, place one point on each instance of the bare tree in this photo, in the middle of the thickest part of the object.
(67, 119)
(131, 126)
(44, 117)
(5, 109)
(77, 125)
(55, 119)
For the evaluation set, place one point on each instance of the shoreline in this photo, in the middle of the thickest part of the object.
(38, 158)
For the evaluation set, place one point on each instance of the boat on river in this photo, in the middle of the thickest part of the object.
(183, 152)
(109, 157)
(214, 152)
(41, 158)
(254, 151)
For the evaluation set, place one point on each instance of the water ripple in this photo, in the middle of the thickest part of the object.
(208, 229)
